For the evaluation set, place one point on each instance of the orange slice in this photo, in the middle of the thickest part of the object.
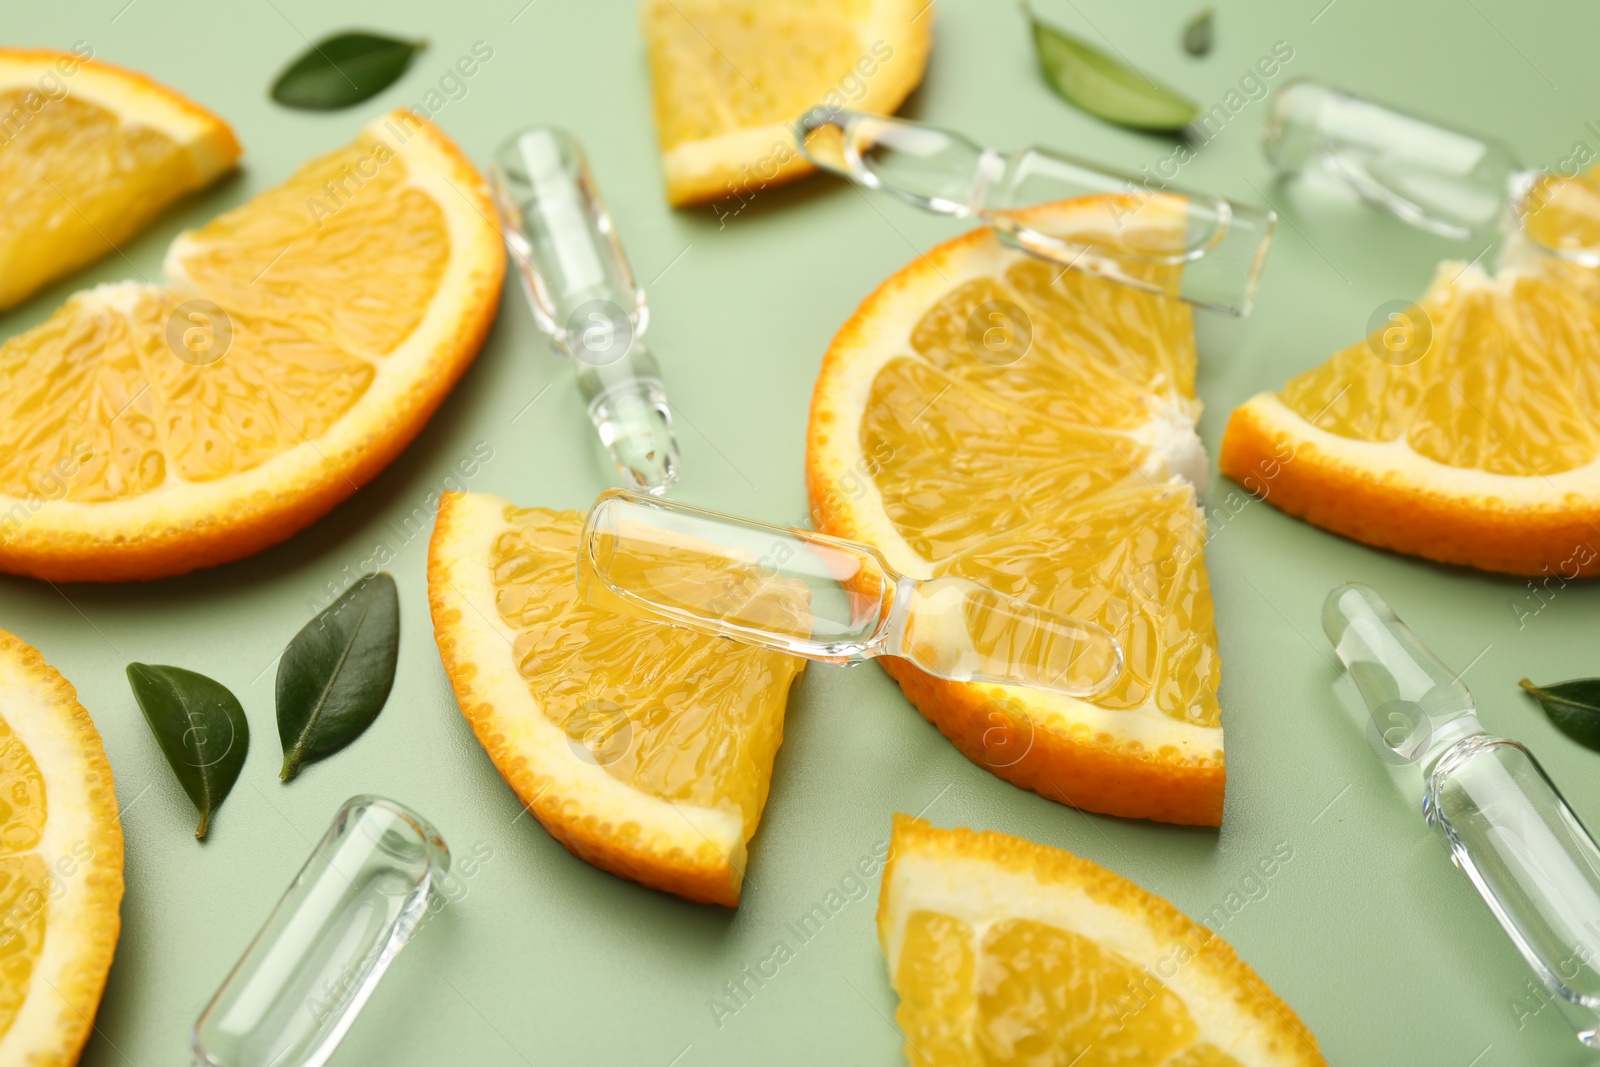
(1007, 952)
(60, 863)
(304, 339)
(1464, 430)
(730, 77)
(644, 749)
(987, 415)
(89, 154)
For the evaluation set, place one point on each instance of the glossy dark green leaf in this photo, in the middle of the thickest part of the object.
(1197, 35)
(1105, 87)
(201, 730)
(343, 70)
(1574, 707)
(337, 672)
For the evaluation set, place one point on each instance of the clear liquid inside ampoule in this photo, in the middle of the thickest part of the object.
(957, 629)
(1532, 861)
(1438, 179)
(824, 598)
(299, 985)
(635, 426)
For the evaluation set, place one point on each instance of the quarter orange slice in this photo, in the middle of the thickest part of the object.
(304, 339)
(89, 154)
(1008, 952)
(1465, 430)
(60, 863)
(730, 77)
(988, 415)
(644, 749)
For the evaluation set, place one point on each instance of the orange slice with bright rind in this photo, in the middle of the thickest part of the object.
(730, 77)
(89, 154)
(304, 339)
(60, 863)
(1464, 430)
(644, 749)
(991, 416)
(1007, 952)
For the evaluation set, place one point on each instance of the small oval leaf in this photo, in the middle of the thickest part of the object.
(343, 70)
(201, 730)
(1089, 79)
(336, 674)
(1197, 35)
(1574, 707)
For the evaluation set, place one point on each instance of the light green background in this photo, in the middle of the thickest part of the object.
(1379, 945)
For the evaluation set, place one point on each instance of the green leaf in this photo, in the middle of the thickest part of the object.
(201, 730)
(343, 70)
(1197, 35)
(1106, 88)
(1573, 706)
(337, 672)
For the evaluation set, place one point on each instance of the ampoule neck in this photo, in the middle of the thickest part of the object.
(1448, 742)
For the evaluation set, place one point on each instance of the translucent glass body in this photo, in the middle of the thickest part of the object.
(1137, 231)
(355, 903)
(825, 598)
(1437, 178)
(1440, 179)
(583, 294)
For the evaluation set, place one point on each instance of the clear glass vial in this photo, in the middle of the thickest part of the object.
(1436, 177)
(299, 985)
(1507, 826)
(826, 598)
(1139, 232)
(584, 297)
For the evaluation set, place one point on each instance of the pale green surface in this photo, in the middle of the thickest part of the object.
(1378, 944)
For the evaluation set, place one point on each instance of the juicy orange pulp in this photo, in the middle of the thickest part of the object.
(978, 448)
(1501, 380)
(1028, 992)
(308, 317)
(57, 170)
(24, 875)
(98, 380)
(361, 280)
(703, 717)
(724, 67)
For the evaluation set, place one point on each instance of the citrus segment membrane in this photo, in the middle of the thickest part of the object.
(56, 173)
(139, 415)
(719, 66)
(1504, 384)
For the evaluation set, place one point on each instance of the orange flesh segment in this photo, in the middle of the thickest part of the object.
(1032, 993)
(362, 280)
(24, 897)
(25, 900)
(703, 717)
(104, 398)
(57, 169)
(975, 449)
(1506, 384)
(717, 67)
